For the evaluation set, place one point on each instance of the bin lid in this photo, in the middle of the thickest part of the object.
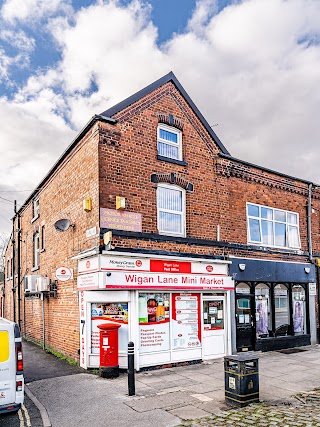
(108, 326)
(247, 357)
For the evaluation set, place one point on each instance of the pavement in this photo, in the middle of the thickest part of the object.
(191, 395)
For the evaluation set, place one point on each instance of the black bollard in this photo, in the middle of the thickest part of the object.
(131, 384)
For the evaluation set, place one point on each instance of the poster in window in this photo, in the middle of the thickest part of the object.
(262, 316)
(298, 317)
(105, 313)
(186, 320)
(154, 322)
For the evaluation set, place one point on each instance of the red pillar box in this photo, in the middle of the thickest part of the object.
(109, 350)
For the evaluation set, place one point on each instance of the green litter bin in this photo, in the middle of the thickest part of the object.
(241, 375)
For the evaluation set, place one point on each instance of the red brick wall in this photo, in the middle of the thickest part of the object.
(118, 160)
(128, 157)
(62, 197)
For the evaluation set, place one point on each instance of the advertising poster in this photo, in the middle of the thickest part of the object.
(298, 317)
(262, 316)
(186, 323)
(116, 312)
(154, 322)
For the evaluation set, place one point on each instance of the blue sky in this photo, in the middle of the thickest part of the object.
(251, 67)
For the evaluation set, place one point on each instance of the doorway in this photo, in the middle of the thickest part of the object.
(214, 327)
(245, 322)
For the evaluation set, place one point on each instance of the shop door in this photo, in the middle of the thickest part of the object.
(214, 336)
(245, 322)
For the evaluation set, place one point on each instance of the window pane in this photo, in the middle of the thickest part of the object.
(167, 150)
(293, 236)
(266, 213)
(267, 232)
(281, 300)
(253, 210)
(169, 199)
(170, 222)
(254, 230)
(263, 311)
(243, 288)
(169, 136)
(279, 215)
(292, 218)
(280, 234)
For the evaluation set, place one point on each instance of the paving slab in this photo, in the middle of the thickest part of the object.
(189, 413)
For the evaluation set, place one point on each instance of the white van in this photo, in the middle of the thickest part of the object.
(11, 367)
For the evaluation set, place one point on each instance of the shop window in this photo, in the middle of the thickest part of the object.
(213, 315)
(169, 142)
(281, 310)
(116, 312)
(243, 288)
(36, 250)
(263, 310)
(171, 210)
(299, 310)
(272, 227)
(154, 322)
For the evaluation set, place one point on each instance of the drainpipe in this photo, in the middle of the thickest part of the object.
(13, 272)
(309, 223)
(19, 268)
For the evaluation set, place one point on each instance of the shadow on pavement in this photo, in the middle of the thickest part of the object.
(39, 365)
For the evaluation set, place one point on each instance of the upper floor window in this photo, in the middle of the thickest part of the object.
(273, 227)
(8, 269)
(43, 238)
(171, 210)
(169, 142)
(36, 250)
(35, 208)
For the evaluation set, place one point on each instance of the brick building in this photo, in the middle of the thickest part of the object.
(207, 254)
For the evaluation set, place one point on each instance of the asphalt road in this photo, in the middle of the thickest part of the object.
(36, 367)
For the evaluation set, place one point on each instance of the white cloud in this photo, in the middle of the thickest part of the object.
(250, 68)
(17, 10)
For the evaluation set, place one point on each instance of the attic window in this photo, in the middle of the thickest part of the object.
(35, 208)
(169, 142)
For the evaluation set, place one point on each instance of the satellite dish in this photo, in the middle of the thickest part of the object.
(62, 225)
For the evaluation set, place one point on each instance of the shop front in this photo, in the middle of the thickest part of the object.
(274, 304)
(174, 310)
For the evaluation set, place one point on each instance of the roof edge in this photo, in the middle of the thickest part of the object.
(155, 85)
(262, 168)
(81, 134)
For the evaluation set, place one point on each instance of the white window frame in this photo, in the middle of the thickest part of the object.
(43, 238)
(8, 269)
(182, 213)
(36, 249)
(35, 208)
(286, 222)
(165, 141)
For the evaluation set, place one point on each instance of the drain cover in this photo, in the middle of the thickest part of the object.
(291, 350)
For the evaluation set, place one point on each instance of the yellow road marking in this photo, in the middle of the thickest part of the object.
(26, 414)
(21, 418)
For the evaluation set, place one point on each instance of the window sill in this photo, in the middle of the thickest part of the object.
(162, 233)
(175, 161)
(286, 248)
(35, 268)
(35, 218)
